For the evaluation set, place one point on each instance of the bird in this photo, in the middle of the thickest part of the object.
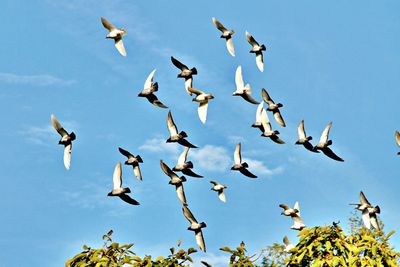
(202, 98)
(257, 49)
(288, 244)
(239, 165)
(267, 128)
(324, 142)
(174, 136)
(185, 167)
(134, 161)
(220, 189)
(241, 89)
(397, 138)
(66, 140)
(273, 107)
(294, 213)
(175, 180)
(196, 227)
(227, 35)
(115, 34)
(368, 212)
(185, 73)
(149, 89)
(118, 190)
(303, 139)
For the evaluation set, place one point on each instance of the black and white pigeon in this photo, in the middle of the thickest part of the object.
(239, 165)
(227, 35)
(116, 35)
(118, 190)
(66, 140)
(175, 180)
(202, 98)
(273, 107)
(294, 213)
(397, 138)
(195, 227)
(220, 189)
(149, 89)
(185, 166)
(324, 144)
(368, 212)
(185, 73)
(303, 139)
(257, 49)
(174, 135)
(241, 89)
(267, 129)
(133, 161)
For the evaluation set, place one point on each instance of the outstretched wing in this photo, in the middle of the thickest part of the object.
(149, 80)
(325, 134)
(58, 126)
(328, 152)
(188, 215)
(247, 173)
(219, 25)
(229, 46)
(239, 79)
(183, 156)
(178, 64)
(125, 153)
(128, 199)
(120, 46)
(202, 111)
(251, 39)
(171, 125)
(260, 61)
(237, 157)
(67, 156)
(117, 176)
(107, 24)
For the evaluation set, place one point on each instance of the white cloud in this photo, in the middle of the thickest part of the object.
(158, 145)
(35, 80)
(257, 167)
(211, 158)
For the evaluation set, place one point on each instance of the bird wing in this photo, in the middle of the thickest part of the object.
(178, 64)
(181, 194)
(191, 173)
(246, 96)
(237, 157)
(301, 132)
(229, 46)
(366, 219)
(374, 221)
(325, 134)
(128, 199)
(278, 118)
(284, 206)
(125, 153)
(137, 172)
(250, 39)
(219, 25)
(58, 126)
(188, 84)
(171, 125)
(107, 24)
(265, 121)
(149, 80)
(188, 215)
(214, 182)
(120, 46)
(260, 61)
(202, 111)
(286, 241)
(247, 173)
(206, 264)
(67, 156)
(239, 79)
(195, 91)
(117, 176)
(200, 240)
(266, 97)
(259, 113)
(277, 140)
(328, 152)
(221, 196)
(183, 156)
(297, 207)
(154, 100)
(363, 199)
(186, 143)
(296, 218)
(397, 137)
(167, 170)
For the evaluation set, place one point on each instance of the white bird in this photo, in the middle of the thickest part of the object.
(267, 129)
(257, 49)
(241, 89)
(368, 212)
(196, 227)
(227, 35)
(397, 138)
(118, 190)
(185, 73)
(239, 165)
(115, 34)
(294, 213)
(149, 89)
(288, 244)
(273, 107)
(220, 189)
(175, 180)
(324, 142)
(202, 98)
(173, 132)
(303, 139)
(185, 166)
(66, 140)
(133, 161)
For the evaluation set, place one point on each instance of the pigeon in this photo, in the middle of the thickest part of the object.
(185, 167)
(324, 142)
(273, 107)
(227, 35)
(368, 212)
(196, 227)
(149, 89)
(220, 189)
(173, 132)
(397, 137)
(288, 245)
(118, 190)
(115, 34)
(294, 213)
(175, 180)
(257, 49)
(202, 98)
(267, 129)
(185, 73)
(241, 89)
(239, 165)
(134, 161)
(66, 140)
(303, 139)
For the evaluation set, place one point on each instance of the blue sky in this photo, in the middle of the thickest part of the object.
(331, 61)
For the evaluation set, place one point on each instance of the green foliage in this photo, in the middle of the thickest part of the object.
(275, 256)
(239, 258)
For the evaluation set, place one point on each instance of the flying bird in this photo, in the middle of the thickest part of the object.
(267, 129)
(220, 189)
(397, 137)
(241, 89)
(175, 180)
(202, 98)
(118, 190)
(303, 139)
(185, 167)
(273, 107)
(196, 227)
(288, 244)
(115, 34)
(368, 212)
(173, 132)
(185, 73)
(149, 89)
(257, 49)
(133, 161)
(66, 140)
(227, 35)
(324, 142)
(294, 213)
(239, 165)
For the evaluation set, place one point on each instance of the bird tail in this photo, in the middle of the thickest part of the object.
(309, 138)
(183, 134)
(183, 178)
(263, 48)
(194, 71)
(276, 132)
(244, 164)
(139, 158)
(329, 142)
(190, 164)
(73, 136)
(203, 224)
(377, 209)
(155, 86)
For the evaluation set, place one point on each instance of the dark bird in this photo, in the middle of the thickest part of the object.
(118, 190)
(241, 89)
(324, 142)
(149, 89)
(175, 180)
(174, 136)
(303, 139)
(185, 73)
(257, 49)
(239, 165)
(116, 35)
(66, 140)
(273, 107)
(227, 35)
(185, 166)
(196, 227)
(133, 161)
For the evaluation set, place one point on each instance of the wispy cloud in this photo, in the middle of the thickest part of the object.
(158, 144)
(212, 259)
(211, 158)
(258, 167)
(34, 80)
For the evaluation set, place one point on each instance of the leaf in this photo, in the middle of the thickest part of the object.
(179, 242)
(192, 250)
